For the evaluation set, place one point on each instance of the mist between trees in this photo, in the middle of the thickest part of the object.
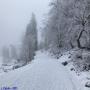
(66, 28)
(27, 49)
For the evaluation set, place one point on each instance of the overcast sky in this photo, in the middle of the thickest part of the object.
(15, 15)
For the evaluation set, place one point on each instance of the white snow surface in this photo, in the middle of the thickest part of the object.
(44, 73)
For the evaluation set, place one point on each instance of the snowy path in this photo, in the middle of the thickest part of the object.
(44, 73)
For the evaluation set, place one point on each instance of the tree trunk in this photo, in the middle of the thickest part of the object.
(78, 41)
(72, 46)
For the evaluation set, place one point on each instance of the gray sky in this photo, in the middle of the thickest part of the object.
(15, 15)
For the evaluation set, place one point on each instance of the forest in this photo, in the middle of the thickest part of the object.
(65, 34)
(66, 28)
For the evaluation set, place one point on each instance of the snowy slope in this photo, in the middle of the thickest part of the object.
(44, 73)
(80, 78)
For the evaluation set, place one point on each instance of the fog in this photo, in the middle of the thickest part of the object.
(15, 15)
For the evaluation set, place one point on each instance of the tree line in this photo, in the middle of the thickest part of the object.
(29, 46)
(68, 25)
(67, 28)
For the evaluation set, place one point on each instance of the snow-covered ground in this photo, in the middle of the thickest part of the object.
(9, 66)
(44, 73)
(82, 78)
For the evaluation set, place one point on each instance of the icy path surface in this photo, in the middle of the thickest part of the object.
(44, 73)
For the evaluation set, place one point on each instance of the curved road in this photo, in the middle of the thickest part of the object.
(44, 73)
